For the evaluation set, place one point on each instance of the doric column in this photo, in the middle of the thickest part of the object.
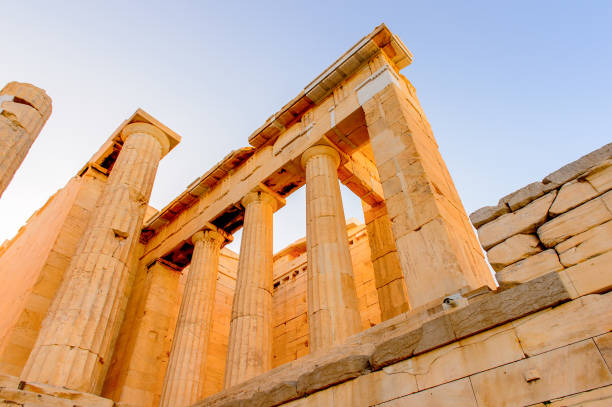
(184, 382)
(249, 351)
(24, 109)
(438, 250)
(333, 310)
(76, 339)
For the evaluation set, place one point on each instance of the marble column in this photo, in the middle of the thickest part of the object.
(76, 340)
(333, 310)
(24, 109)
(249, 350)
(184, 382)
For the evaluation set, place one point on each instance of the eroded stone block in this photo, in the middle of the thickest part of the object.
(525, 220)
(487, 214)
(542, 292)
(593, 275)
(593, 242)
(568, 370)
(574, 321)
(574, 169)
(530, 268)
(513, 249)
(578, 220)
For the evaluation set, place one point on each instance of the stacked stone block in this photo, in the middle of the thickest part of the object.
(562, 224)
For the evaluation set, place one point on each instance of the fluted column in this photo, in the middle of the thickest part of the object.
(76, 339)
(184, 382)
(333, 311)
(249, 350)
(24, 109)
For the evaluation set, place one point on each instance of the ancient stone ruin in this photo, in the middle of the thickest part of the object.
(106, 301)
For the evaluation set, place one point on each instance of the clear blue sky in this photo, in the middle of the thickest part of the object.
(513, 90)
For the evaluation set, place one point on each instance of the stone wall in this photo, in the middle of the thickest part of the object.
(32, 265)
(563, 223)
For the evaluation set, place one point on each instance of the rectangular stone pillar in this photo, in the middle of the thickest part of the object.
(390, 285)
(438, 250)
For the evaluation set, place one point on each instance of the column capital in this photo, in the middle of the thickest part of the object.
(263, 193)
(320, 150)
(211, 235)
(146, 128)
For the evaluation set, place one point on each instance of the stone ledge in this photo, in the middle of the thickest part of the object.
(39, 394)
(367, 351)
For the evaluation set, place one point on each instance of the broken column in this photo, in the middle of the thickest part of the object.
(24, 109)
(77, 337)
(333, 309)
(184, 382)
(249, 351)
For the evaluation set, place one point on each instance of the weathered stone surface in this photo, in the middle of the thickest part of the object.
(20, 123)
(574, 321)
(593, 242)
(593, 275)
(513, 249)
(570, 195)
(9, 381)
(438, 251)
(480, 352)
(558, 373)
(584, 217)
(601, 397)
(304, 376)
(487, 214)
(530, 268)
(276, 394)
(38, 394)
(430, 335)
(604, 344)
(542, 292)
(457, 394)
(525, 220)
(591, 184)
(374, 388)
(574, 169)
(336, 371)
(526, 194)
(600, 176)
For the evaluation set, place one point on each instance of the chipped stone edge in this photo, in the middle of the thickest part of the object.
(323, 369)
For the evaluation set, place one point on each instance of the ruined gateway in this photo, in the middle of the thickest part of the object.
(106, 301)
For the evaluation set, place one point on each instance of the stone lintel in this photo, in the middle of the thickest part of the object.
(389, 343)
